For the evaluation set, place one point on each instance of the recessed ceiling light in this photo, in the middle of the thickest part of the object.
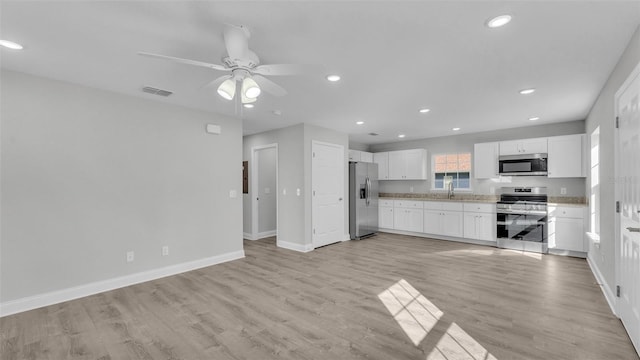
(10, 45)
(499, 21)
(359, 122)
(527, 91)
(248, 106)
(333, 78)
(534, 118)
(424, 111)
(455, 129)
(401, 136)
(277, 112)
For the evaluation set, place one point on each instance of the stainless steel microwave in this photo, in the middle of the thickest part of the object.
(523, 164)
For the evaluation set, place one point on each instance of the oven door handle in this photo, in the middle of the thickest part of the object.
(527, 212)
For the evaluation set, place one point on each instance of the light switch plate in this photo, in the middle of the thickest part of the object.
(233, 194)
(214, 129)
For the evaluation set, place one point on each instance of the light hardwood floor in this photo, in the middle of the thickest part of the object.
(386, 297)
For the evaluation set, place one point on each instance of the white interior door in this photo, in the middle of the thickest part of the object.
(327, 181)
(628, 190)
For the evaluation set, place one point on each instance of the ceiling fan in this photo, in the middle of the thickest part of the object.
(243, 66)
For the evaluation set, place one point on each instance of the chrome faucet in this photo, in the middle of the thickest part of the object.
(450, 190)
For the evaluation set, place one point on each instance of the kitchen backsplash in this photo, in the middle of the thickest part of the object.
(575, 187)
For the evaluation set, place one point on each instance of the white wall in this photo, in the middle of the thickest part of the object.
(602, 114)
(88, 175)
(290, 177)
(294, 162)
(465, 142)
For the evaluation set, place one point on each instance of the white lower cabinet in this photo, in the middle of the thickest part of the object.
(480, 226)
(407, 215)
(442, 218)
(566, 228)
(385, 217)
(480, 221)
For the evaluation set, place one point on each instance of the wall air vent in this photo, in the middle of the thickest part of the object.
(154, 91)
(373, 134)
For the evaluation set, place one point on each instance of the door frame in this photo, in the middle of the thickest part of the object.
(253, 189)
(344, 197)
(617, 191)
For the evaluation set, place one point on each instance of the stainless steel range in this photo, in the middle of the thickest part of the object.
(522, 219)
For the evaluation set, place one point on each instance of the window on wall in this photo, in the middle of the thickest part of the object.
(458, 166)
(594, 199)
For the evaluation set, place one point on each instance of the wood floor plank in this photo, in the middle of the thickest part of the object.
(451, 301)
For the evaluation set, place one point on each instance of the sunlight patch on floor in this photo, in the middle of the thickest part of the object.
(417, 316)
(456, 344)
(414, 313)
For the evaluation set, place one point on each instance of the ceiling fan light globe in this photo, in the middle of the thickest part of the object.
(250, 88)
(227, 89)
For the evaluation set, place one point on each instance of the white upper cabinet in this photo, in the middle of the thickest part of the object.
(566, 156)
(408, 164)
(525, 146)
(363, 156)
(485, 160)
(382, 159)
(366, 156)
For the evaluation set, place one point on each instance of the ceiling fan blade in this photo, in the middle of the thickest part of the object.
(236, 40)
(286, 69)
(269, 86)
(213, 84)
(185, 61)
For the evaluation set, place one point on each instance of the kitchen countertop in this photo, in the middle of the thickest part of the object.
(461, 197)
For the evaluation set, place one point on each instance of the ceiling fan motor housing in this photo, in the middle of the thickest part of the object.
(248, 63)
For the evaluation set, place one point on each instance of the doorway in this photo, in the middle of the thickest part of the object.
(327, 182)
(264, 191)
(627, 104)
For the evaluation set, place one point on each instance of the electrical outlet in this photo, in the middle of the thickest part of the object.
(165, 250)
(563, 191)
(410, 189)
(298, 192)
(130, 256)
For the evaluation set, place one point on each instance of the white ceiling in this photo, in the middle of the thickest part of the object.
(394, 58)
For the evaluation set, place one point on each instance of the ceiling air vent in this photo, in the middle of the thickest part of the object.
(154, 91)
(373, 134)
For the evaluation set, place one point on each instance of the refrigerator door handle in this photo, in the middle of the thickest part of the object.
(367, 186)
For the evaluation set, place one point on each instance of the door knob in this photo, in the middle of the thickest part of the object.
(632, 229)
(340, 199)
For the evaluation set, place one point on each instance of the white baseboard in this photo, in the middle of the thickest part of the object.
(346, 237)
(266, 234)
(294, 246)
(262, 235)
(58, 296)
(606, 289)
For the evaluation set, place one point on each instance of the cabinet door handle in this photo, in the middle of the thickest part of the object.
(632, 229)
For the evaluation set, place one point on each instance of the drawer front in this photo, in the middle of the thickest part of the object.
(452, 206)
(567, 212)
(479, 207)
(385, 203)
(433, 205)
(411, 204)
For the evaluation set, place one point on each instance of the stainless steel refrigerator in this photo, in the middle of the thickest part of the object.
(363, 199)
